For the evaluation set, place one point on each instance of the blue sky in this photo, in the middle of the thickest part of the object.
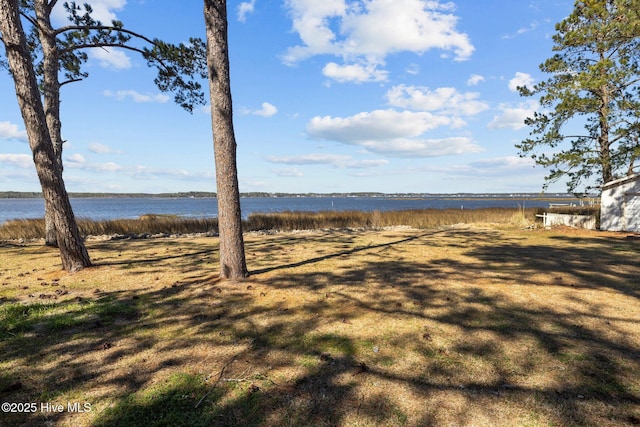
(329, 96)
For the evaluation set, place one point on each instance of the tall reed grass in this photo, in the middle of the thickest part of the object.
(282, 221)
(145, 225)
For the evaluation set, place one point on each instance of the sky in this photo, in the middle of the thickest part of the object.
(393, 96)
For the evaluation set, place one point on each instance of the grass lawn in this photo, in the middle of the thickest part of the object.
(460, 326)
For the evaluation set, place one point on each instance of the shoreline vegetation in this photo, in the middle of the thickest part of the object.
(152, 225)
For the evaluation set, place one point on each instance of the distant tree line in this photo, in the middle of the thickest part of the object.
(262, 194)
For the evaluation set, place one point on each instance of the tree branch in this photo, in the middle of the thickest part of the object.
(103, 45)
(29, 18)
(70, 81)
(51, 4)
(68, 28)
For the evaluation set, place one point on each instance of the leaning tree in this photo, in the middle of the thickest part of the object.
(588, 125)
(59, 52)
(72, 250)
(56, 50)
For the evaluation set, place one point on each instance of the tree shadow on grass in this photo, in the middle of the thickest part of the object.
(347, 252)
(211, 353)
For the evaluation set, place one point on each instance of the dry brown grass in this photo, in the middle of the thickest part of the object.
(284, 221)
(459, 326)
(145, 225)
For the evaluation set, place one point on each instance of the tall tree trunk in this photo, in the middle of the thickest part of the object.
(232, 257)
(72, 250)
(51, 92)
(604, 143)
(50, 234)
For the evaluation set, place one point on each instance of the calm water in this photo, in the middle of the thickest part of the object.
(129, 208)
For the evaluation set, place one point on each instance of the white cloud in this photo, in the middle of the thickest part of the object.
(336, 160)
(366, 164)
(498, 165)
(267, 110)
(502, 174)
(22, 161)
(77, 161)
(98, 148)
(121, 95)
(410, 148)
(310, 159)
(532, 27)
(404, 25)
(107, 167)
(75, 158)
(246, 8)
(103, 11)
(140, 172)
(475, 79)
(111, 58)
(13, 176)
(521, 79)
(375, 125)
(499, 170)
(289, 172)
(392, 133)
(247, 185)
(355, 73)
(446, 100)
(311, 22)
(513, 117)
(366, 32)
(9, 130)
(413, 69)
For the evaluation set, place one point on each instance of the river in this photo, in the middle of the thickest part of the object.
(129, 208)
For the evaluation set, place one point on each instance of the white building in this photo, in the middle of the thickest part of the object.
(620, 204)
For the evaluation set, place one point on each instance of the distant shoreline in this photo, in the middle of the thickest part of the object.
(403, 196)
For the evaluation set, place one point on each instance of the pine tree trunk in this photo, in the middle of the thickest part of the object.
(603, 139)
(232, 256)
(51, 96)
(50, 234)
(72, 250)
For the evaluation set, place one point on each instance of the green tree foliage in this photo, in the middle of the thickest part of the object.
(59, 53)
(586, 130)
(180, 67)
